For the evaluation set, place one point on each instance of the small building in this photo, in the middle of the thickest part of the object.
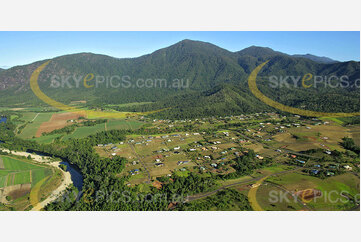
(347, 167)
(315, 172)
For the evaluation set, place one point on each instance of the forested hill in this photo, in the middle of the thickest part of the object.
(205, 67)
(319, 59)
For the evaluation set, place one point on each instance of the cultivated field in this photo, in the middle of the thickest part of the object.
(17, 177)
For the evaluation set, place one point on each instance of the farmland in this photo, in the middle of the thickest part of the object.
(274, 154)
(17, 178)
(35, 123)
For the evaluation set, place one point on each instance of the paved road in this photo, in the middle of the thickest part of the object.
(140, 160)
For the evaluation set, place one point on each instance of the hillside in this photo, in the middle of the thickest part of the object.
(203, 66)
(318, 59)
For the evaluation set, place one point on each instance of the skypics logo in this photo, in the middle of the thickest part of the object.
(256, 92)
(311, 81)
(88, 113)
(115, 81)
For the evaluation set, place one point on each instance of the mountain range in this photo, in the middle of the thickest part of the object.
(319, 59)
(214, 80)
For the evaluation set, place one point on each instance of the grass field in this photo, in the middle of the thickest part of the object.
(82, 132)
(123, 124)
(331, 188)
(47, 139)
(18, 172)
(31, 128)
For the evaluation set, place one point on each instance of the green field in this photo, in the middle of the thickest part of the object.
(47, 139)
(331, 188)
(82, 132)
(123, 124)
(18, 172)
(12, 164)
(31, 128)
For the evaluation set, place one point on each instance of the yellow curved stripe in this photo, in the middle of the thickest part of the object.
(34, 194)
(252, 195)
(88, 113)
(254, 89)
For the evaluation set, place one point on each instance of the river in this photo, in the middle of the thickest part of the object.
(76, 177)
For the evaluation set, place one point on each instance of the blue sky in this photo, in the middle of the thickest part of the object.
(19, 48)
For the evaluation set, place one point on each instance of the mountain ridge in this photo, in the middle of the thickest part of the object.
(204, 66)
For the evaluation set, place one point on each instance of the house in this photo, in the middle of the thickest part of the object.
(315, 172)
(192, 149)
(329, 173)
(328, 152)
(301, 161)
(347, 167)
(207, 157)
(293, 156)
(114, 154)
(157, 160)
(214, 165)
(176, 148)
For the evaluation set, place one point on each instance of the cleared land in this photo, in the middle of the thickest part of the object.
(57, 121)
(31, 128)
